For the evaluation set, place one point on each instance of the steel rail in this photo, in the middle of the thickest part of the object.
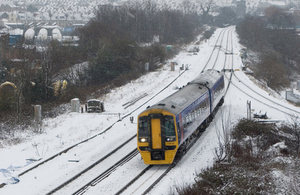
(90, 167)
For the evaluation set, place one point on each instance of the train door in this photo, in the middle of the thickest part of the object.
(157, 137)
(156, 133)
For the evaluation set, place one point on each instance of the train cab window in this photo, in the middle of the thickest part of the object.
(170, 128)
(143, 129)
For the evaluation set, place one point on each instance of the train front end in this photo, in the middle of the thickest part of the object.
(157, 139)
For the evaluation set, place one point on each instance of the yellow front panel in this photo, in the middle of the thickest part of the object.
(156, 140)
(156, 133)
(170, 155)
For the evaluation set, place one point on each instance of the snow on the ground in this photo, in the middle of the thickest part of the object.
(70, 128)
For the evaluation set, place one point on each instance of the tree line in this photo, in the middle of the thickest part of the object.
(116, 43)
(274, 37)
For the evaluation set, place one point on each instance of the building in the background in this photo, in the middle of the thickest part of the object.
(16, 36)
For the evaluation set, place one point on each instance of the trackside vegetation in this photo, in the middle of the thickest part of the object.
(260, 157)
(273, 46)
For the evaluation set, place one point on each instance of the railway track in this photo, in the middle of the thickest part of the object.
(275, 105)
(229, 61)
(216, 51)
(53, 157)
(145, 180)
(261, 98)
(131, 103)
(113, 168)
(148, 177)
(116, 152)
(229, 49)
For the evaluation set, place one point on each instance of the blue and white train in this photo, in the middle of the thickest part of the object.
(165, 128)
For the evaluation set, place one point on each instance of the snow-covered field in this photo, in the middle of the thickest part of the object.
(68, 129)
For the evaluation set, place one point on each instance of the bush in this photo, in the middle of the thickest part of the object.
(278, 45)
(251, 128)
(228, 179)
(272, 71)
(251, 168)
(208, 34)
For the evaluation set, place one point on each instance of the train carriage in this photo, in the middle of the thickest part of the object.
(166, 126)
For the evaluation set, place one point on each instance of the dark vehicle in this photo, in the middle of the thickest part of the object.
(166, 128)
(94, 105)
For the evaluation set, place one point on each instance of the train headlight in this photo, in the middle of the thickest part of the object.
(143, 139)
(170, 138)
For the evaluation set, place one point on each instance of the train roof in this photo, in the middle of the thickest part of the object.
(207, 78)
(186, 95)
(179, 100)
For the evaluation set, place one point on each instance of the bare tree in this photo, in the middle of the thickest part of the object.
(187, 6)
(278, 18)
(223, 152)
(252, 32)
(272, 70)
(205, 7)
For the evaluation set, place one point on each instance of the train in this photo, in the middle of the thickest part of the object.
(166, 128)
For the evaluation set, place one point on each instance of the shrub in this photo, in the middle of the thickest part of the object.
(251, 128)
(272, 70)
(252, 165)
(228, 179)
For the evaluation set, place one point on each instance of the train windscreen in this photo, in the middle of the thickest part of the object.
(168, 125)
(170, 128)
(143, 129)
